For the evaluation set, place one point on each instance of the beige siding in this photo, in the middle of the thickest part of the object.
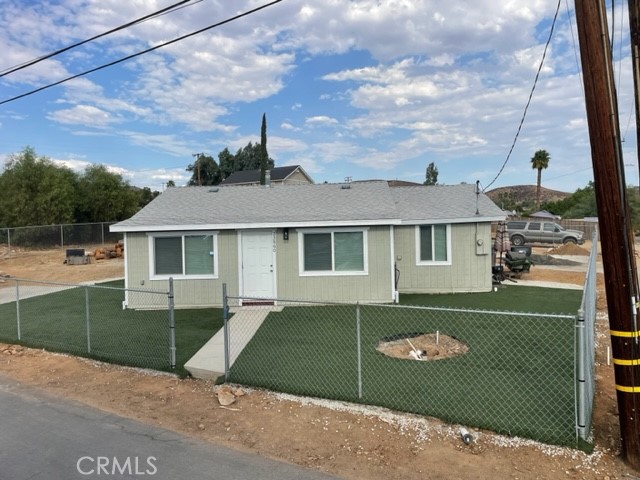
(188, 293)
(374, 287)
(296, 178)
(470, 269)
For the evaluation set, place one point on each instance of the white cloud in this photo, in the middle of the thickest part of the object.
(288, 126)
(169, 144)
(72, 163)
(84, 115)
(320, 120)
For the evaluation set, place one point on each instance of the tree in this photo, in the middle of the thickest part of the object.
(35, 191)
(105, 196)
(146, 195)
(226, 163)
(264, 156)
(171, 183)
(204, 171)
(431, 175)
(539, 161)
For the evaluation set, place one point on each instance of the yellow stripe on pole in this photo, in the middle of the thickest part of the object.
(628, 389)
(618, 333)
(619, 361)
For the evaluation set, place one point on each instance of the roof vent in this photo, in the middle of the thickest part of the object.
(345, 186)
(213, 189)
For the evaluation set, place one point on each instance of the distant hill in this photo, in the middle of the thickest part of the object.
(523, 196)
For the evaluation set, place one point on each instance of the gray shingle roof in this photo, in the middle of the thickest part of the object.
(443, 202)
(305, 205)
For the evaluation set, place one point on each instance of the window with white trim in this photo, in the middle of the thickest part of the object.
(333, 252)
(183, 255)
(433, 244)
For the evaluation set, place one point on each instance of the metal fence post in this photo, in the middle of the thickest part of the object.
(18, 308)
(225, 322)
(9, 240)
(62, 236)
(172, 327)
(581, 399)
(358, 349)
(87, 318)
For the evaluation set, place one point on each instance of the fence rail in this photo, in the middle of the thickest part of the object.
(88, 320)
(57, 236)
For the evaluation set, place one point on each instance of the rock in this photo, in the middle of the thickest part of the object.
(201, 426)
(226, 398)
(238, 392)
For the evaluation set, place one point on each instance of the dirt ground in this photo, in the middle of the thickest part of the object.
(350, 441)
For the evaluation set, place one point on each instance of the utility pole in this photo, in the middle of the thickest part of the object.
(616, 238)
(197, 156)
(634, 33)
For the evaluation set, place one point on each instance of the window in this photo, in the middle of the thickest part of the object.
(178, 255)
(534, 226)
(433, 244)
(516, 225)
(333, 252)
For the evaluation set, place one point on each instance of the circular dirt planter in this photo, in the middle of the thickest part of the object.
(397, 346)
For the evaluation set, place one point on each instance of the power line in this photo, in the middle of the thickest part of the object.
(113, 30)
(526, 108)
(143, 52)
(575, 46)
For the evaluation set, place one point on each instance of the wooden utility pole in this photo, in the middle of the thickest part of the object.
(617, 248)
(198, 155)
(634, 33)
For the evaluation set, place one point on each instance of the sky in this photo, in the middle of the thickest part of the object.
(358, 89)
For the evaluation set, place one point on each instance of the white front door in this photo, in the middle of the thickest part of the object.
(258, 264)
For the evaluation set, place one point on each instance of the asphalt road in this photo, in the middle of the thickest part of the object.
(47, 437)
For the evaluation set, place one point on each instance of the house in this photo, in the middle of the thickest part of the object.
(362, 242)
(293, 174)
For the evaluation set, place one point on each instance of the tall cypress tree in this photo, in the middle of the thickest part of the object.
(263, 150)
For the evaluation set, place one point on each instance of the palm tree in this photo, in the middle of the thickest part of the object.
(539, 161)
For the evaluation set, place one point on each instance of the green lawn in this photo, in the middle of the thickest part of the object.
(58, 321)
(512, 298)
(517, 377)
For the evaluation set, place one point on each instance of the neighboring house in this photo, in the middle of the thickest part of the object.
(291, 175)
(329, 242)
(544, 215)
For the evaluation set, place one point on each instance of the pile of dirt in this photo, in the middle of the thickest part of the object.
(435, 346)
(569, 249)
(549, 260)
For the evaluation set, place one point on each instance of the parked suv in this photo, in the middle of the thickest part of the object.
(522, 231)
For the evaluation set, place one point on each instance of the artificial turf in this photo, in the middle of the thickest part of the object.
(517, 378)
(58, 321)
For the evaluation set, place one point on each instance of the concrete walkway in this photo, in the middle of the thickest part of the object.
(208, 362)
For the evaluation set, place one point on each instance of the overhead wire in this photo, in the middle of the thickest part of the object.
(164, 11)
(143, 52)
(575, 46)
(526, 108)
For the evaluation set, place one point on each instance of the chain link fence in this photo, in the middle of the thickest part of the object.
(586, 347)
(520, 374)
(57, 236)
(89, 320)
(509, 372)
